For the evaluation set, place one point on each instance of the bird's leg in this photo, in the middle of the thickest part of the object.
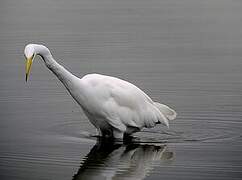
(107, 133)
(99, 132)
(117, 134)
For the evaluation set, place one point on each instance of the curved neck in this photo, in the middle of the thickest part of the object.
(44, 52)
(67, 78)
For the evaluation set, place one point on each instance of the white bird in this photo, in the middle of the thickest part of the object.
(114, 106)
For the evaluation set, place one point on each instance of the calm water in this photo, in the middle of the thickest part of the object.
(184, 53)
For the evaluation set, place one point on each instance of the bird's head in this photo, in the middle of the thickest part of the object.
(29, 53)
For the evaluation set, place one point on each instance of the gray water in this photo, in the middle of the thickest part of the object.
(184, 53)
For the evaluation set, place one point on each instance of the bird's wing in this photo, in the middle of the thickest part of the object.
(122, 103)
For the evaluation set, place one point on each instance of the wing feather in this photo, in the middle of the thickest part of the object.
(122, 104)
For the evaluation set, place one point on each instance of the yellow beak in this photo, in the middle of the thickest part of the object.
(28, 67)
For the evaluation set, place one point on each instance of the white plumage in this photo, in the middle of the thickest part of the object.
(114, 106)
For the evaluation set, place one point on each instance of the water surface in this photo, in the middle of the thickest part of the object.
(184, 53)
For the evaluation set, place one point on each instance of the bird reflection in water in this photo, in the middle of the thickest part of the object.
(112, 160)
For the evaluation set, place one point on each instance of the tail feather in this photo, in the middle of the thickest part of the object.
(168, 112)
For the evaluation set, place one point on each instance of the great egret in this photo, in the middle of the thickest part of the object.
(114, 106)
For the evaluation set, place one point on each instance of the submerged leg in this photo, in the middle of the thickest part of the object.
(117, 134)
(106, 133)
(99, 132)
